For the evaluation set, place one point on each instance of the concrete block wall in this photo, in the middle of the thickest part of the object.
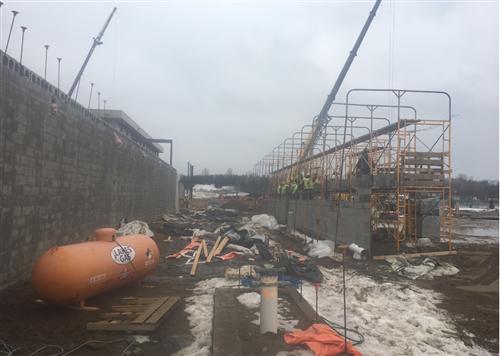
(62, 175)
(317, 219)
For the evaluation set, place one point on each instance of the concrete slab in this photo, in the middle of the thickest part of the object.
(236, 330)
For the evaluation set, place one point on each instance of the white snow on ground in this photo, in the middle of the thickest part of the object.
(250, 300)
(395, 319)
(209, 191)
(298, 352)
(284, 322)
(199, 309)
(476, 209)
(140, 339)
(267, 221)
(479, 231)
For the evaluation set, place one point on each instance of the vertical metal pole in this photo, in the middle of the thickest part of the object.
(98, 104)
(90, 96)
(171, 151)
(316, 287)
(23, 28)
(58, 72)
(345, 309)
(14, 14)
(104, 106)
(46, 55)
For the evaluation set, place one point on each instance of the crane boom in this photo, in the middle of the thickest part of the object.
(322, 118)
(95, 43)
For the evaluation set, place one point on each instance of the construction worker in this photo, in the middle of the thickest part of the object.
(363, 164)
(285, 188)
(308, 186)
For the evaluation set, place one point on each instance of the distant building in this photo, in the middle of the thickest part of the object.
(129, 128)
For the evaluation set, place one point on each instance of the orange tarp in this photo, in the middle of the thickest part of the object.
(230, 255)
(191, 246)
(322, 340)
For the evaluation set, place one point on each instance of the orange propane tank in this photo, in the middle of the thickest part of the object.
(72, 273)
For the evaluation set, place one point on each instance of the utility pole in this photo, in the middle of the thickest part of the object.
(90, 96)
(96, 42)
(14, 14)
(58, 72)
(99, 104)
(46, 54)
(23, 28)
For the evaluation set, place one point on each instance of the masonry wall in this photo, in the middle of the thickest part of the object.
(63, 175)
(317, 218)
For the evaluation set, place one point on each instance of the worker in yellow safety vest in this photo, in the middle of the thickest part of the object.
(285, 189)
(308, 186)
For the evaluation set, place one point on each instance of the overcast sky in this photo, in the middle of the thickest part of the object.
(229, 81)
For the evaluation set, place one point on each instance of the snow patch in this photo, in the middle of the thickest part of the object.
(284, 322)
(297, 352)
(396, 319)
(250, 300)
(199, 309)
(140, 339)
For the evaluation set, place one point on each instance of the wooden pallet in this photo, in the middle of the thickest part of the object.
(136, 314)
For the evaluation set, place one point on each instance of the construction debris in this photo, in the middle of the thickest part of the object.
(421, 267)
(135, 227)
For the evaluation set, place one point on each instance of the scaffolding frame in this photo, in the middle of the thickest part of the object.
(419, 166)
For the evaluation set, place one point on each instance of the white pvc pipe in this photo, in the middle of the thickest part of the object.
(269, 304)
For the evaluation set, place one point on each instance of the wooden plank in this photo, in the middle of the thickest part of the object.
(119, 326)
(420, 176)
(423, 183)
(128, 308)
(212, 252)
(118, 316)
(140, 301)
(426, 170)
(221, 245)
(149, 311)
(424, 154)
(205, 248)
(196, 259)
(423, 162)
(160, 312)
(435, 253)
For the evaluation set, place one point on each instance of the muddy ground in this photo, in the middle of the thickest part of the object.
(471, 297)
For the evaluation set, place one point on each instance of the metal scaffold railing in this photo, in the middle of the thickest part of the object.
(405, 158)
